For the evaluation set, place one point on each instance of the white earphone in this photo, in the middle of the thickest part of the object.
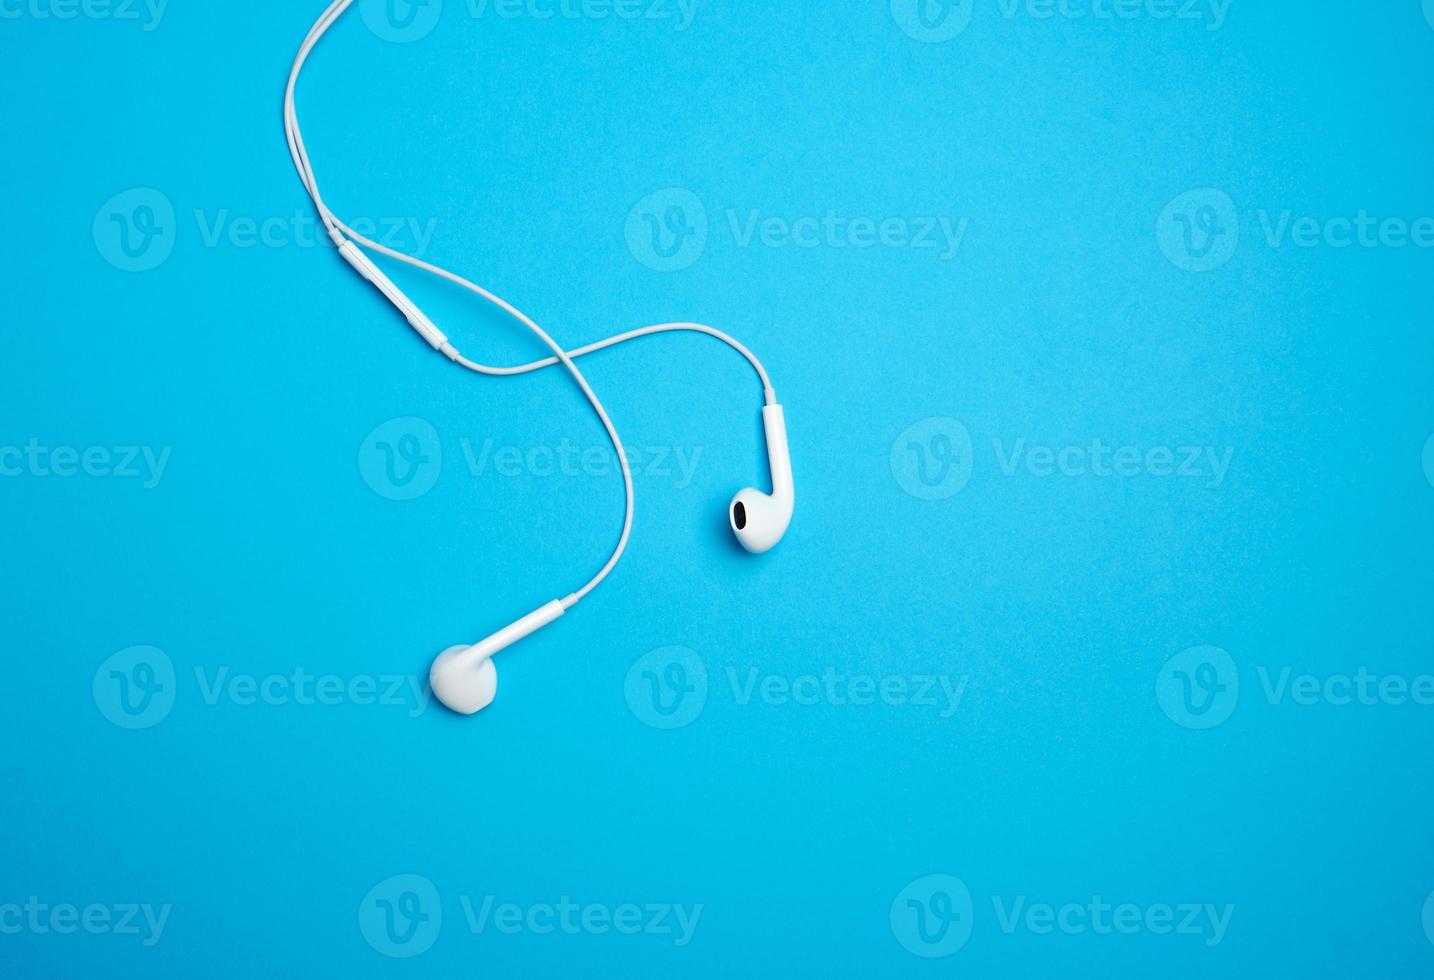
(463, 677)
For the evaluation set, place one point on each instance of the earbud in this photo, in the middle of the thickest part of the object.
(464, 677)
(760, 519)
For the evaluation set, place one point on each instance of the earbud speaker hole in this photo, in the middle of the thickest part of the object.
(739, 515)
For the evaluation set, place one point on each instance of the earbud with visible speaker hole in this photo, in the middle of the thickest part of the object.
(760, 519)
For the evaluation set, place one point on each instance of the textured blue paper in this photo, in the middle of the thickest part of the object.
(1103, 330)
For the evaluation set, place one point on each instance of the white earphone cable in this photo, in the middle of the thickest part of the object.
(338, 231)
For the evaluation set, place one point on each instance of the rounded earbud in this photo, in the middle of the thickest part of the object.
(464, 680)
(760, 519)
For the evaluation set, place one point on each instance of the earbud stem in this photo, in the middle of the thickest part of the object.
(778, 456)
(511, 634)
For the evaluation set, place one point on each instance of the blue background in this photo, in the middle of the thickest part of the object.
(1059, 598)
